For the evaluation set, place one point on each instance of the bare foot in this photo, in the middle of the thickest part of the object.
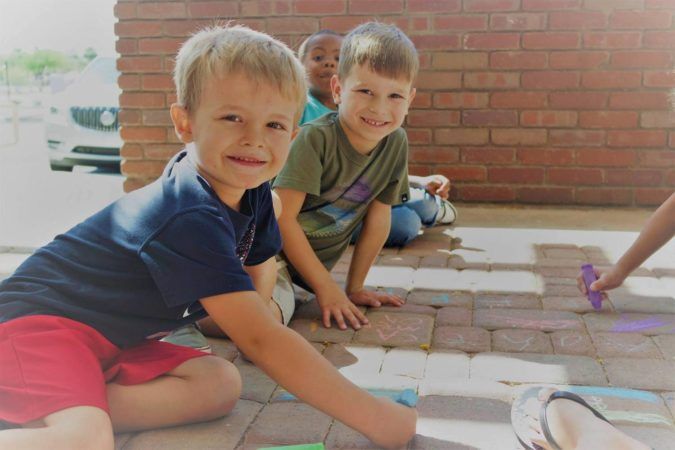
(574, 427)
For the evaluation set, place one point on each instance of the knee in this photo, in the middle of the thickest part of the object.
(405, 226)
(221, 386)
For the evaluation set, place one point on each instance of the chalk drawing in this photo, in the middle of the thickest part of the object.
(442, 299)
(403, 328)
(630, 394)
(626, 325)
(525, 342)
(570, 341)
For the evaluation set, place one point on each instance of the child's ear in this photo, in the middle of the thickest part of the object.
(295, 132)
(181, 123)
(336, 89)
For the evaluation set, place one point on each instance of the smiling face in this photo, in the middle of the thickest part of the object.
(239, 135)
(320, 60)
(372, 106)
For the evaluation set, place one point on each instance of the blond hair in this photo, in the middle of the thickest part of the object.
(222, 50)
(384, 48)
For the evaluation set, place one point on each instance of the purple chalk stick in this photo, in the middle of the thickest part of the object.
(594, 297)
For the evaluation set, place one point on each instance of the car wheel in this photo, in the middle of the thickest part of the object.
(60, 167)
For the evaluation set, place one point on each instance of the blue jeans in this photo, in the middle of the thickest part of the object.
(407, 219)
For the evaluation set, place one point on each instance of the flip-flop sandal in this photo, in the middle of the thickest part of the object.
(519, 415)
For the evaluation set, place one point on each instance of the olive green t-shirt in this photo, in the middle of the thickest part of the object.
(340, 183)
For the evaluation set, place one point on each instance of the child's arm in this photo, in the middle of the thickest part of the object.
(434, 184)
(332, 299)
(658, 230)
(373, 235)
(294, 364)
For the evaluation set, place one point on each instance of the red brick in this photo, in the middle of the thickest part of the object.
(125, 11)
(434, 6)
(490, 5)
(670, 177)
(658, 119)
(659, 78)
(419, 135)
(487, 155)
(608, 119)
(642, 59)
(157, 82)
(422, 100)
(319, 8)
(489, 118)
(436, 42)
(517, 175)
(577, 20)
(129, 117)
(518, 60)
(545, 156)
(438, 80)
(460, 22)
(577, 138)
(420, 23)
(611, 80)
(518, 21)
(659, 39)
(375, 6)
(139, 64)
(264, 8)
(546, 5)
(548, 119)
(464, 173)
(460, 60)
(150, 169)
(161, 151)
(157, 117)
(491, 80)
(492, 41)
(631, 20)
(433, 118)
(578, 100)
(652, 197)
(133, 183)
(518, 136)
(184, 28)
(578, 60)
(292, 25)
(141, 100)
(570, 176)
(126, 46)
(633, 177)
(161, 10)
(129, 82)
(671, 140)
(659, 4)
(463, 100)
(612, 40)
(639, 100)
(551, 40)
(131, 151)
(599, 196)
(138, 29)
(160, 46)
(461, 136)
(637, 138)
(437, 155)
(546, 195)
(603, 157)
(611, 5)
(342, 24)
(657, 158)
(143, 134)
(211, 10)
(473, 193)
(550, 80)
(520, 100)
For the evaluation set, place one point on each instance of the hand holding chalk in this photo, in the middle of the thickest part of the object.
(589, 277)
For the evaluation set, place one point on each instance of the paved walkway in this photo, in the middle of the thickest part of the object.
(489, 312)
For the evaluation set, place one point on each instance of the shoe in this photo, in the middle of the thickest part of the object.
(189, 336)
(447, 213)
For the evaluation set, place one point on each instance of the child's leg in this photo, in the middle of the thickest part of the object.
(405, 226)
(79, 427)
(199, 389)
(424, 205)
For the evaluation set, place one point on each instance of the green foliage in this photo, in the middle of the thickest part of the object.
(31, 67)
(89, 54)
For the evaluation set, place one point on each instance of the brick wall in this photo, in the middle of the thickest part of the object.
(525, 101)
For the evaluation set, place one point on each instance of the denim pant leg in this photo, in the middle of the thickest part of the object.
(405, 225)
(424, 204)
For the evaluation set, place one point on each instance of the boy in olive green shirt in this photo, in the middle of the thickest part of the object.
(349, 167)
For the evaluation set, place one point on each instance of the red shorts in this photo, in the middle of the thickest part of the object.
(50, 363)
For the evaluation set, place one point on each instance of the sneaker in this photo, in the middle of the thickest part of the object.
(447, 213)
(189, 336)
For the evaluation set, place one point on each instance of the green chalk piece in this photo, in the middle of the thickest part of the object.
(318, 446)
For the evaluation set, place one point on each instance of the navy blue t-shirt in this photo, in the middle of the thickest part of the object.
(139, 267)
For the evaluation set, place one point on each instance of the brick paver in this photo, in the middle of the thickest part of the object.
(453, 316)
(466, 339)
(528, 341)
(576, 304)
(666, 344)
(495, 319)
(625, 345)
(287, 423)
(647, 324)
(440, 298)
(656, 374)
(518, 301)
(572, 343)
(396, 330)
(314, 331)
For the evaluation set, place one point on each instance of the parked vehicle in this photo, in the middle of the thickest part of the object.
(81, 122)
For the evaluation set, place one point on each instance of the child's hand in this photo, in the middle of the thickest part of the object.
(607, 279)
(335, 303)
(437, 185)
(376, 299)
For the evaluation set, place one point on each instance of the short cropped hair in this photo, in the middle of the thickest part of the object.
(302, 50)
(222, 50)
(384, 48)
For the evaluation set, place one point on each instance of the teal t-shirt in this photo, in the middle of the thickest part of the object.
(340, 182)
(313, 109)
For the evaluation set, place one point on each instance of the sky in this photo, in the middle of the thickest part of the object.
(69, 26)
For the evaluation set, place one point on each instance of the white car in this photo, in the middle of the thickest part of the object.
(81, 123)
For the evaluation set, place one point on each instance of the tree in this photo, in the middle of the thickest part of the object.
(89, 54)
